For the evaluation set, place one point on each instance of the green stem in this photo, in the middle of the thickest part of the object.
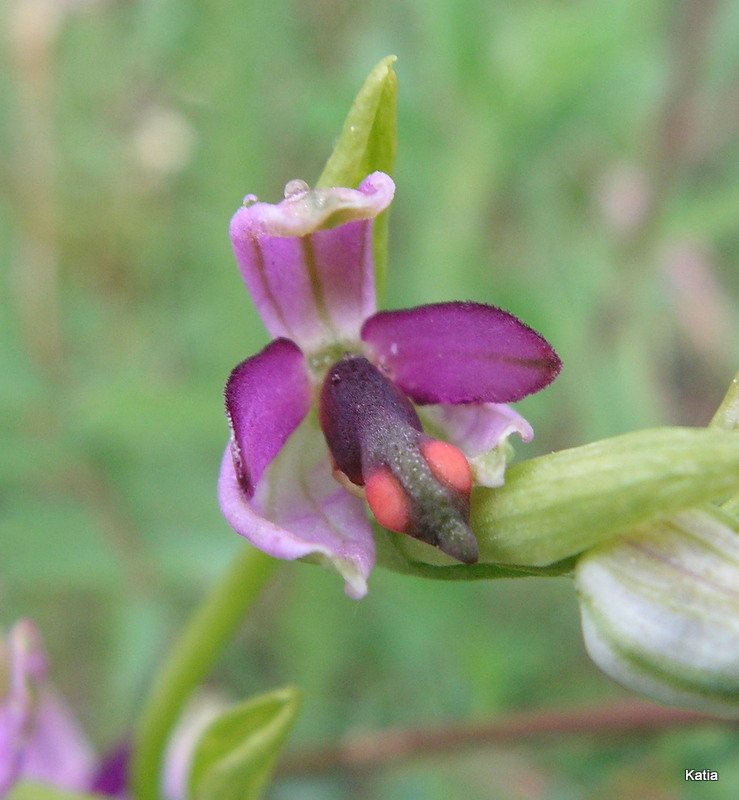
(200, 644)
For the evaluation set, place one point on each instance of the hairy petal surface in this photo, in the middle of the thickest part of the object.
(307, 261)
(267, 397)
(481, 432)
(299, 510)
(460, 353)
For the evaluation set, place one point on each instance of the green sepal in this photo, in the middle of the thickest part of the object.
(400, 553)
(731, 506)
(30, 790)
(368, 139)
(558, 505)
(368, 143)
(726, 417)
(235, 756)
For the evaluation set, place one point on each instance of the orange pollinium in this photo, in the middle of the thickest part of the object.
(448, 464)
(388, 500)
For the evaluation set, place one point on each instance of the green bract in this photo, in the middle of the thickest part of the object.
(660, 603)
(660, 609)
(726, 417)
(235, 755)
(367, 144)
(560, 504)
(368, 139)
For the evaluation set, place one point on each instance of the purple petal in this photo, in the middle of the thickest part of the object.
(39, 736)
(267, 396)
(23, 665)
(300, 510)
(479, 431)
(307, 261)
(111, 778)
(58, 752)
(460, 353)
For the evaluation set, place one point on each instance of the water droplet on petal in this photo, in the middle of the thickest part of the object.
(296, 187)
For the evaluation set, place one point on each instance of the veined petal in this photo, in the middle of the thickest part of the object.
(460, 353)
(267, 397)
(300, 510)
(481, 432)
(660, 609)
(307, 261)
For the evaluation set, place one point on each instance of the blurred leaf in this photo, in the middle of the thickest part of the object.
(37, 791)
(235, 756)
(55, 544)
(368, 143)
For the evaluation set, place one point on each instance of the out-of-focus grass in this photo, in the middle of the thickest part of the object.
(576, 163)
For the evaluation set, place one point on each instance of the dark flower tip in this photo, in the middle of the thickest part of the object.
(413, 484)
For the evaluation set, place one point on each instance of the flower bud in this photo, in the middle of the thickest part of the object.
(660, 609)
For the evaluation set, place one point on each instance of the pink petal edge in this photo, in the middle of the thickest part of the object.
(267, 396)
(318, 518)
(308, 262)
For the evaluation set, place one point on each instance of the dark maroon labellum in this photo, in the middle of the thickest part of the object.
(371, 428)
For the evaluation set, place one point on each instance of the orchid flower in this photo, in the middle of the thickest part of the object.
(42, 742)
(39, 737)
(327, 415)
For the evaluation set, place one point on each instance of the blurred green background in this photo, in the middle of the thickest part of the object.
(574, 162)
